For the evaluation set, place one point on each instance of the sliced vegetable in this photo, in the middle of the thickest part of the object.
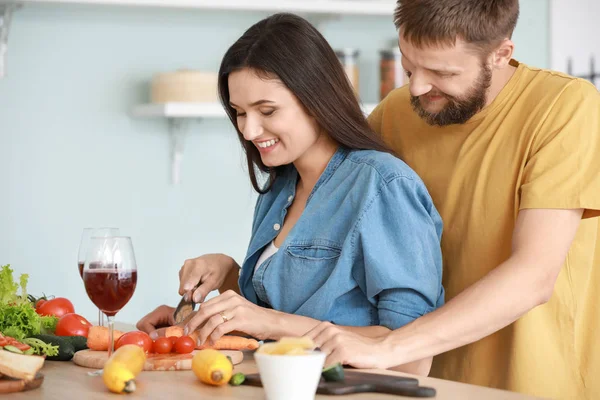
(237, 379)
(12, 349)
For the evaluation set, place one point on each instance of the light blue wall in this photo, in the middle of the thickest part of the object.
(71, 157)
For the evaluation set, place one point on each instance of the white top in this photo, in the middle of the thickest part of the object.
(268, 252)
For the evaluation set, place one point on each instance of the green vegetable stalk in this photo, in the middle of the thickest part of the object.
(18, 318)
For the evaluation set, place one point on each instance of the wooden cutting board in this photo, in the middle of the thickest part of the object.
(10, 385)
(361, 382)
(154, 362)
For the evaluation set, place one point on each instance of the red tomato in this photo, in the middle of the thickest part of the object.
(184, 345)
(3, 342)
(21, 346)
(58, 307)
(39, 303)
(162, 345)
(136, 337)
(72, 325)
(173, 339)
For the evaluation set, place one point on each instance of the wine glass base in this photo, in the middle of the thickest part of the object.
(96, 373)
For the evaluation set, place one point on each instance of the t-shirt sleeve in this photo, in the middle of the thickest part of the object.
(399, 237)
(563, 170)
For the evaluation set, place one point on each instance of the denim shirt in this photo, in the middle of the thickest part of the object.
(365, 251)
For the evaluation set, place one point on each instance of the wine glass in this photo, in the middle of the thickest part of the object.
(86, 235)
(110, 276)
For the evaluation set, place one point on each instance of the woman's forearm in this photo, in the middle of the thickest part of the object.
(297, 325)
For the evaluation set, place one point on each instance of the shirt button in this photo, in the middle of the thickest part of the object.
(277, 227)
(290, 198)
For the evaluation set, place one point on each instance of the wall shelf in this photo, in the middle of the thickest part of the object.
(179, 115)
(350, 7)
(192, 110)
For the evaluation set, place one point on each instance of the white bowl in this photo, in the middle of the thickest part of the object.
(293, 377)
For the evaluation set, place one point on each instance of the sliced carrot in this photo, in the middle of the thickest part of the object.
(98, 338)
(227, 342)
(177, 331)
(230, 342)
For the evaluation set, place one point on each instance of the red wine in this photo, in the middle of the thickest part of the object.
(109, 289)
(80, 266)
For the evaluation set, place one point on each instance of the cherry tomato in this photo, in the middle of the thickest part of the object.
(173, 339)
(162, 345)
(58, 307)
(72, 325)
(136, 337)
(184, 345)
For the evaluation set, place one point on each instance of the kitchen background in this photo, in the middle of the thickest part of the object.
(73, 156)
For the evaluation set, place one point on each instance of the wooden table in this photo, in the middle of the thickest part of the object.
(65, 380)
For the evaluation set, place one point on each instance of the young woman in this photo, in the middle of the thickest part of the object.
(343, 231)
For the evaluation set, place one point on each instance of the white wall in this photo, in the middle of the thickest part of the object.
(575, 33)
(71, 157)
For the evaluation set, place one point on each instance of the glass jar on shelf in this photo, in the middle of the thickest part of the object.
(391, 73)
(349, 59)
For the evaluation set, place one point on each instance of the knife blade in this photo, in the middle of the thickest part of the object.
(185, 307)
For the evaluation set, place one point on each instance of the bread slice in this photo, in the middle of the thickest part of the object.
(20, 366)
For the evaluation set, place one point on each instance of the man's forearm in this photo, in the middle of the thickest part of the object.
(492, 303)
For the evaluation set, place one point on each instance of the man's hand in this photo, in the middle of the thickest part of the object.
(161, 317)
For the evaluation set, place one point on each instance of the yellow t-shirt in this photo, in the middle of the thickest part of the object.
(537, 145)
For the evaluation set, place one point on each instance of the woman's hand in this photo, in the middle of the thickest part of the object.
(208, 271)
(230, 312)
(347, 347)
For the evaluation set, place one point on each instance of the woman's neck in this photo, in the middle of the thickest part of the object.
(311, 164)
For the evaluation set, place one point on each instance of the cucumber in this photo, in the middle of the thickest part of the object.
(334, 373)
(237, 379)
(12, 349)
(65, 346)
(78, 342)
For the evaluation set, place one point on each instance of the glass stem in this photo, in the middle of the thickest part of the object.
(111, 340)
(100, 318)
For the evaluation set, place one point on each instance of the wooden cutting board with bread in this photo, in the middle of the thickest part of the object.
(19, 372)
(97, 355)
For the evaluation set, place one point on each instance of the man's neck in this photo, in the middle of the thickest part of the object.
(499, 81)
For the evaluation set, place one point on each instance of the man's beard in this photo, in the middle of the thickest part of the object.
(459, 109)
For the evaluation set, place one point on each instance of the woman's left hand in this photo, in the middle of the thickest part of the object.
(229, 312)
